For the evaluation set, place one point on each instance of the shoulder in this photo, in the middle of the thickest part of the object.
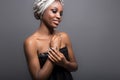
(30, 46)
(29, 41)
(65, 37)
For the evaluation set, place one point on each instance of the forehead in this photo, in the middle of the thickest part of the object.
(56, 4)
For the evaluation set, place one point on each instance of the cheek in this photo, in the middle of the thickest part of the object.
(48, 17)
(51, 14)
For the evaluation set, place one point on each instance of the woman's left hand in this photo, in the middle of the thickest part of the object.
(57, 57)
(56, 41)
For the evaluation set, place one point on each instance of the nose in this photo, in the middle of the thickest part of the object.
(58, 16)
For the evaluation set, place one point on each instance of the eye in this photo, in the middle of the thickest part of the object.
(54, 10)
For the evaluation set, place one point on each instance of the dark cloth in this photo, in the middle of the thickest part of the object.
(58, 73)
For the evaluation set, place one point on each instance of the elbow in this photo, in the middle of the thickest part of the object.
(76, 67)
(39, 76)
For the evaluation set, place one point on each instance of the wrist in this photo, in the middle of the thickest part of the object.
(65, 65)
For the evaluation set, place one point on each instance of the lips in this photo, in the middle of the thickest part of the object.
(56, 21)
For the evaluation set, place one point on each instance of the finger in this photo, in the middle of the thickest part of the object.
(58, 53)
(61, 56)
(52, 58)
(54, 54)
(59, 60)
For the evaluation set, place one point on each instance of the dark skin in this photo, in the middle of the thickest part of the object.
(46, 39)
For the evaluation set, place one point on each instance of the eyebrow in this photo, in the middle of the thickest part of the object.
(57, 9)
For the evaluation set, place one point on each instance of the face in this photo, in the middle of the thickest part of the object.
(53, 15)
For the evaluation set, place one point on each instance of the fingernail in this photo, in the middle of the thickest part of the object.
(53, 48)
(48, 49)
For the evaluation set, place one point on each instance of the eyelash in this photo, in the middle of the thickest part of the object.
(55, 11)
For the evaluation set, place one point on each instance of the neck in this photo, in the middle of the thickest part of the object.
(44, 30)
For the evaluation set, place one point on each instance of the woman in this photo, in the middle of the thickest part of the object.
(49, 52)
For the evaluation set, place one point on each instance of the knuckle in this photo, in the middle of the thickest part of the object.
(60, 59)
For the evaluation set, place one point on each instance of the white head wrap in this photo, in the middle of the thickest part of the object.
(40, 6)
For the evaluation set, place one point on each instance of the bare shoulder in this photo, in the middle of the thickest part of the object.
(65, 37)
(30, 42)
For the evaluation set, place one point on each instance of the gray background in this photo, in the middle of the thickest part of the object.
(94, 29)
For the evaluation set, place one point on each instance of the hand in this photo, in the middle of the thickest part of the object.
(56, 57)
(56, 42)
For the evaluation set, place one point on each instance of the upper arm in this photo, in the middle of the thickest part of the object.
(68, 44)
(31, 56)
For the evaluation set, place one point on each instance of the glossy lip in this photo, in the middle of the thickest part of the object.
(56, 22)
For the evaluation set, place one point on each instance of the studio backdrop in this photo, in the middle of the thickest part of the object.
(93, 27)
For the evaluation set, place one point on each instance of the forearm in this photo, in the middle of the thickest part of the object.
(70, 66)
(45, 71)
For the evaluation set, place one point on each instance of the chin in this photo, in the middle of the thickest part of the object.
(55, 26)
